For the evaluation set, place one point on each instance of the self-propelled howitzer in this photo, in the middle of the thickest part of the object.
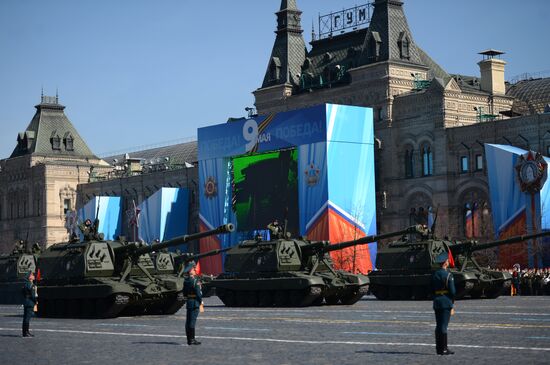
(14, 269)
(405, 268)
(477, 281)
(109, 278)
(290, 272)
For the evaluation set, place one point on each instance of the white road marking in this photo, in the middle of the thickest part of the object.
(289, 341)
(236, 329)
(367, 311)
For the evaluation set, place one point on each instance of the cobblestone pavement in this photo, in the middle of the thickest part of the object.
(500, 331)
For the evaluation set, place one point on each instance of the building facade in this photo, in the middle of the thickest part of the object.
(430, 126)
(38, 182)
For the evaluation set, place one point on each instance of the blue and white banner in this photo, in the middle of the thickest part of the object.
(263, 133)
(515, 211)
(164, 215)
(109, 215)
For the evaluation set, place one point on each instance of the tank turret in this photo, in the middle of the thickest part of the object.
(97, 278)
(405, 268)
(291, 272)
(14, 268)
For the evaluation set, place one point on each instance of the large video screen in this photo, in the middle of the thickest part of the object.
(265, 189)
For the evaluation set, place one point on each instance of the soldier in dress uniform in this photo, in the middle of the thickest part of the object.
(193, 294)
(29, 301)
(444, 292)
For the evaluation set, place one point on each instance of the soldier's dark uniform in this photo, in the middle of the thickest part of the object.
(88, 229)
(444, 291)
(192, 291)
(275, 229)
(29, 300)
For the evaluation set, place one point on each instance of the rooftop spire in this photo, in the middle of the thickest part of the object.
(389, 37)
(288, 5)
(289, 50)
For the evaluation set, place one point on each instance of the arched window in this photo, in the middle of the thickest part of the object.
(427, 161)
(404, 45)
(275, 69)
(374, 46)
(68, 141)
(409, 162)
(56, 142)
(475, 214)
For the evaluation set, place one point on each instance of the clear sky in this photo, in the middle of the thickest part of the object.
(141, 72)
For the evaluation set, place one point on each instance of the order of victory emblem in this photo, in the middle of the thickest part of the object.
(210, 187)
(312, 175)
(531, 171)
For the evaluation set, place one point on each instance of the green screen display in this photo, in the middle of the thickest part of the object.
(266, 188)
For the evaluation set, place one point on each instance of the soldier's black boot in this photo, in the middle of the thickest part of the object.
(446, 350)
(188, 335)
(193, 341)
(438, 343)
(26, 330)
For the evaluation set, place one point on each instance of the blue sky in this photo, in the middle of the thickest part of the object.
(137, 73)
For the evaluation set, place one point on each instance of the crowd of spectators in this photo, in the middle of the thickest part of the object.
(530, 281)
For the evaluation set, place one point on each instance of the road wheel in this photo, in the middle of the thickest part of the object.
(252, 299)
(352, 298)
(494, 292)
(59, 308)
(265, 298)
(404, 293)
(476, 294)
(229, 298)
(318, 301)
(280, 298)
(331, 300)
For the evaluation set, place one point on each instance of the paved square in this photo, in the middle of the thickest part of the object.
(501, 331)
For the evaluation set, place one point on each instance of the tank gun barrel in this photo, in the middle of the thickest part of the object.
(472, 246)
(323, 246)
(194, 257)
(134, 250)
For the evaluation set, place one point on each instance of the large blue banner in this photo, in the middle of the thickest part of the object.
(515, 211)
(263, 133)
(109, 212)
(335, 177)
(164, 215)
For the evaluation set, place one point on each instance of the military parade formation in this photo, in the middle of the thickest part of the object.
(289, 240)
(127, 278)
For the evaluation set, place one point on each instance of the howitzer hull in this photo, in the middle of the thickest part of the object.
(406, 266)
(289, 289)
(472, 284)
(11, 292)
(107, 298)
(290, 272)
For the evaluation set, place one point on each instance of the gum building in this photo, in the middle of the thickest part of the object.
(430, 125)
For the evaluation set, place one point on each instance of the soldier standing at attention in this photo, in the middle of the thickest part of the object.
(443, 286)
(192, 291)
(29, 301)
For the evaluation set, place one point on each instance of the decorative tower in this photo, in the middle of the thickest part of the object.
(389, 37)
(289, 50)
